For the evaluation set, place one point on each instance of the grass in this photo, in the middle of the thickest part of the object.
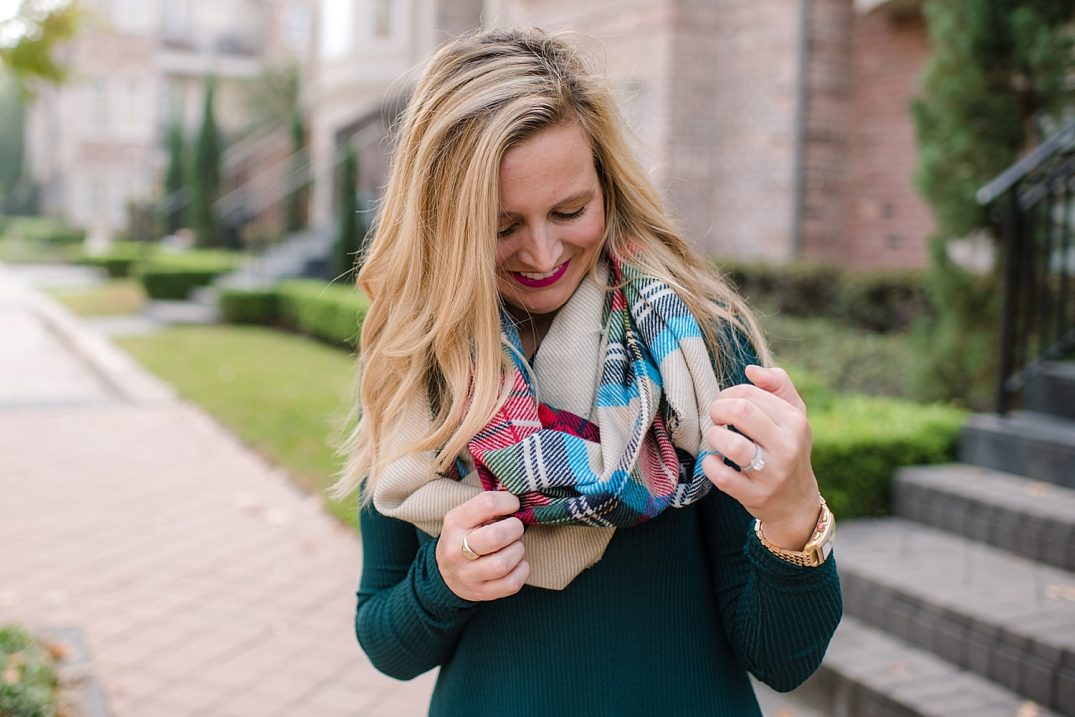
(27, 678)
(118, 296)
(285, 395)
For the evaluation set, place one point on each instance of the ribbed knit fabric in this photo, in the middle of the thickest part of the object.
(668, 622)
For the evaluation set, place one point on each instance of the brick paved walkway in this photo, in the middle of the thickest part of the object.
(205, 583)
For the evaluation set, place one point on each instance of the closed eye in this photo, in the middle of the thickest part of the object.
(571, 215)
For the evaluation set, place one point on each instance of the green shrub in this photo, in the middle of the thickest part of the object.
(28, 684)
(44, 230)
(245, 306)
(874, 300)
(173, 276)
(859, 441)
(122, 258)
(331, 312)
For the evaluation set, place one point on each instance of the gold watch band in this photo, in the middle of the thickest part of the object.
(817, 548)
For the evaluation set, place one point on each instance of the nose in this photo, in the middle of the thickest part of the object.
(542, 250)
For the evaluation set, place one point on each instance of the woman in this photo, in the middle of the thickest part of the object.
(550, 378)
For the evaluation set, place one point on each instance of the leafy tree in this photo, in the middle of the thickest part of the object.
(175, 184)
(273, 99)
(29, 39)
(205, 185)
(296, 200)
(348, 238)
(996, 75)
(994, 84)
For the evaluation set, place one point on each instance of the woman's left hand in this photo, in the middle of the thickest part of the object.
(770, 413)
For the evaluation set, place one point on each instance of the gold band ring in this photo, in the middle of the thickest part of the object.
(468, 552)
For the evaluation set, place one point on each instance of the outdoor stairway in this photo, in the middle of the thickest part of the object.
(962, 604)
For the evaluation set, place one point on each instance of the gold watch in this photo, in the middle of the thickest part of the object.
(817, 549)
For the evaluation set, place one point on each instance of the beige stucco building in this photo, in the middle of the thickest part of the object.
(97, 142)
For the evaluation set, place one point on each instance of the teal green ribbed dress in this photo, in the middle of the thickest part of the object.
(667, 623)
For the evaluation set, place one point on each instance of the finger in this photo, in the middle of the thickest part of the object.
(494, 536)
(496, 565)
(733, 446)
(747, 417)
(481, 509)
(777, 381)
(737, 485)
(509, 584)
(782, 412)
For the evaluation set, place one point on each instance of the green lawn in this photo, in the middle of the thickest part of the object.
(118, 296)
(286, 395)
(14, 250)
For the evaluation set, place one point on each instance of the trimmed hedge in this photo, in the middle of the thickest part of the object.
(28, 686)
(331, 312)
(45, 230)
(172, 276)
(246, 306)
(122, 258)
(859, 442)
(874, 300)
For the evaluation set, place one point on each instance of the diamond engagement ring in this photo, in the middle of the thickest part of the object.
(468, 552)
(757, 462)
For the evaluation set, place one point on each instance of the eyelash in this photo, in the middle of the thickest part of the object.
(564, 216)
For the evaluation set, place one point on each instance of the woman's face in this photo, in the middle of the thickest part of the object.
(552, 219)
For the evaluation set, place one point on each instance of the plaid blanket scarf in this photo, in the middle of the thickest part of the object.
(605, 431)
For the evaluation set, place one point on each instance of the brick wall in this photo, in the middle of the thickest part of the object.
(887, 221)
(731, 155)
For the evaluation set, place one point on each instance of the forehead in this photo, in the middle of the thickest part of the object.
(545, 168)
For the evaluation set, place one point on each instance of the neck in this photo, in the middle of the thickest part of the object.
(531, 327)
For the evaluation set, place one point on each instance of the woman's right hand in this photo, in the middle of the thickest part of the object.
(500, 570)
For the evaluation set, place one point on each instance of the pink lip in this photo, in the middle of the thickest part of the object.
(539, 283)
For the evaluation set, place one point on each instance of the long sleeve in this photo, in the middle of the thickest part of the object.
(407, 621)
(779, 617)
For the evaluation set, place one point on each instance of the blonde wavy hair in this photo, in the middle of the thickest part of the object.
(433, 325)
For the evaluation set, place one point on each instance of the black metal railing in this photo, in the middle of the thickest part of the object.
(1038, 319)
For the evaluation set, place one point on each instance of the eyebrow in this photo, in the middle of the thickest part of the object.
(584, 196)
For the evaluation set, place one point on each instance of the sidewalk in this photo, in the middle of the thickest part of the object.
(205, 583)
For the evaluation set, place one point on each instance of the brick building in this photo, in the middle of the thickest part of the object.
(777, 129)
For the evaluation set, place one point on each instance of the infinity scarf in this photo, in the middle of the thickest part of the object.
(605, 430)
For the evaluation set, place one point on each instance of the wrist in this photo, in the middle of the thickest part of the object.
(795, 532)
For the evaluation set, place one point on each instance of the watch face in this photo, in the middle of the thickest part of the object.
(826, 550)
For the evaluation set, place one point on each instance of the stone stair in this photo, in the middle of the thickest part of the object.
(962, 603)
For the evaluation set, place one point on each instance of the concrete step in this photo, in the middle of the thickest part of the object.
(1035, 445)
(1001, 616)
(1052, 390)
(181, 312)
(868, 673)
(1024, 516)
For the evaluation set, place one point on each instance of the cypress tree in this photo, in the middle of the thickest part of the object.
(348, 238)
(206, 180)
(296, 199)
(175, 189)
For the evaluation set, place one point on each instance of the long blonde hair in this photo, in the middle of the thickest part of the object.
(433, 327)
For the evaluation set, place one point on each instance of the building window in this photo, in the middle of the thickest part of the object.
(382, 18)
(337, 27)
(97, 111)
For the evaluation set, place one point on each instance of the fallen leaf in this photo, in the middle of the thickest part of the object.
(1038, 488)
(1060, 592)
(1029, 709)
(58, 650)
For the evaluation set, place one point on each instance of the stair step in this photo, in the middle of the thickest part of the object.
(1052, 390)
(1024, 516)
(998, 615)
(869, 673)
(1035, 445)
